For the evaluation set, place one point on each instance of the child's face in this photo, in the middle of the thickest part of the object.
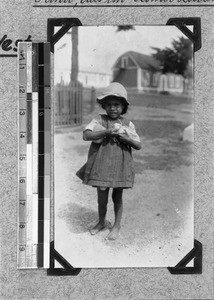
(113, 108)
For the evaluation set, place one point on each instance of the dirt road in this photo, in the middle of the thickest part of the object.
(157, 224)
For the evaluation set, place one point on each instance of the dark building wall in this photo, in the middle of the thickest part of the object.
(127, 77)
(130, 62)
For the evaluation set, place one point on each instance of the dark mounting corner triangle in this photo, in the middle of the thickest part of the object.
(196, 255)
(65, 24)
(194, 35)
(66, 270)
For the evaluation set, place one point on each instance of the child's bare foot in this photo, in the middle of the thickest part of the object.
(114, 233)
(99, 226)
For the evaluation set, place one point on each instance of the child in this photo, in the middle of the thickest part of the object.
(110, 163)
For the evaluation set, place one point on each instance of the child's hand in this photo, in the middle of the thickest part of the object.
(129, 141)
(124, 138)
(112, 132)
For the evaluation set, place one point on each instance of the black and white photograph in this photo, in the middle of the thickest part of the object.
(123, 146)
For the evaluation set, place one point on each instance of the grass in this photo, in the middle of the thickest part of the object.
(170, 156)
(151, 129)
(162, 145)
(157, 100)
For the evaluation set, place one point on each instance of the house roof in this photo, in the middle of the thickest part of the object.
(142, 60)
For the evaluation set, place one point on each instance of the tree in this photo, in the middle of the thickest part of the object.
(177, 58)
(74, 57)
(74, 54)
(125, 28)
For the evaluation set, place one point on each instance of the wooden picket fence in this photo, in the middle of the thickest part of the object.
(68, 104)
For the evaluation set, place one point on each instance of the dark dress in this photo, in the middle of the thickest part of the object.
(110, 163)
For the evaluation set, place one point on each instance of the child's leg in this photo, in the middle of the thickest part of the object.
(102, 209)
(118, 210)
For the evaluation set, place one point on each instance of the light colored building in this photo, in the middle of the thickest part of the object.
(140, 72)
(94, 79)
(87, 78)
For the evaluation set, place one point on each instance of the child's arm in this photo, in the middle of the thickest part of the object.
(89, 135)
(94, 131)
(127, 140)
(131, 137)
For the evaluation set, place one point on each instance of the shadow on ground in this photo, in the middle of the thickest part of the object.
(77, 217)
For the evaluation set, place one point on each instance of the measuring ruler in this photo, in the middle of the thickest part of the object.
(34, 155)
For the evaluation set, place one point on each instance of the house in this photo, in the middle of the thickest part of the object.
(87, 78)
(94, 79)
(143, 73)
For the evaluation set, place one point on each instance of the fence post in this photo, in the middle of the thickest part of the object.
(93, 98)
(81, 102)
(68, 104)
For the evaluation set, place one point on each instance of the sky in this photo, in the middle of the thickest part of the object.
(100, 46)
